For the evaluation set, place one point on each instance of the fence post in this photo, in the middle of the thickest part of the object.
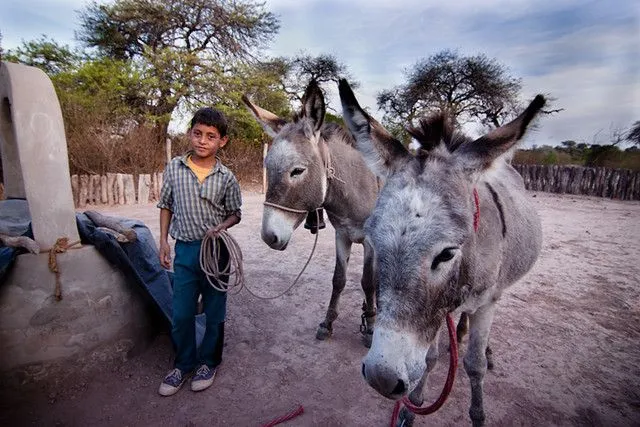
(167, 149)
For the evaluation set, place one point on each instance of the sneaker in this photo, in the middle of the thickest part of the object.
(171, 383)
(203, 378)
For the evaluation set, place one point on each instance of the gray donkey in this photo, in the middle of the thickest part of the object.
(310, 165)
(429, 260)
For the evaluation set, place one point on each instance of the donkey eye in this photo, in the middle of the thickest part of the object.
(444, 256)
(296, 172)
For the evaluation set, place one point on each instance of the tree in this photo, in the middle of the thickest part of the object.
(469, 87)
(262, 83)
(633, 136)
(184, 47)
(46, 54)
(299, 70)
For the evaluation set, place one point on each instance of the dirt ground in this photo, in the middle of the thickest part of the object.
(565, 342)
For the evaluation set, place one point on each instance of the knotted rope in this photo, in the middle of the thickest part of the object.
(61, 245)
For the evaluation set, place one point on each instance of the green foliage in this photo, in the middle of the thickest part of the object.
(551, 158)
(581, 155)
(332, 118)
(106, 87)
(45, 54)
(181, 48)
(261, 84)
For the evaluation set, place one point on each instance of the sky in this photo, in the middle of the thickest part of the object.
(585, 54)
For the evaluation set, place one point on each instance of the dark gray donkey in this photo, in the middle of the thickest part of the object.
(310, 165)
(429, 260)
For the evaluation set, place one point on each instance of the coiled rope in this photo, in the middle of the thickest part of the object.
(210, 253)
(209, 256)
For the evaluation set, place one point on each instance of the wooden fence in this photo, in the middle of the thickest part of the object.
(620, 184)
(623, 184)
(115, 189)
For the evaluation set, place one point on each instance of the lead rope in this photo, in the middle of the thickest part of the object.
(448, 385)
(453, 352)
(210, 253)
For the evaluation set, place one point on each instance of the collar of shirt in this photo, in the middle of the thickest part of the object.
(219, 167)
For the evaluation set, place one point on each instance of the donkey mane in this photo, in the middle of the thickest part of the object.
(436, 130)
(335, 132)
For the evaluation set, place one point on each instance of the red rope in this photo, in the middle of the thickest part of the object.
(476, 213)
(448, 385)
(286, 417)
(453, 352)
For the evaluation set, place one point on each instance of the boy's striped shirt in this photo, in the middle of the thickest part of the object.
(198, 207)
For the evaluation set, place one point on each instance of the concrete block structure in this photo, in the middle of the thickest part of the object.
(97, 308)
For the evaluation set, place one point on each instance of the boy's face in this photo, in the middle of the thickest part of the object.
(206, 140)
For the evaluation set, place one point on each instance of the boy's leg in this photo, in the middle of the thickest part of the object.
(187, 277)
(215, 307)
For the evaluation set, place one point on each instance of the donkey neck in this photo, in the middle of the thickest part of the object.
(351, 187)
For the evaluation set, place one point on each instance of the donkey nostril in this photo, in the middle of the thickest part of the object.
(363, 374)
(400, 388)
(270, 239)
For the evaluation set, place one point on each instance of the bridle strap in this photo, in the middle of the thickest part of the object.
(476, 213)
(284, 208)
(331, 174)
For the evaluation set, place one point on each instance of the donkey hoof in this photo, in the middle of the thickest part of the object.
(367, 338)
(489, 355)
(406, 418)
(323, 333)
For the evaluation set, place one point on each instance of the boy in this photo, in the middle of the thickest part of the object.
(199, 196)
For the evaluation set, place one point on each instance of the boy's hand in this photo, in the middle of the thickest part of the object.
(215, 231)
(165, 255)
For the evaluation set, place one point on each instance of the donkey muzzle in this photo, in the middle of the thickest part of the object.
(394, 363)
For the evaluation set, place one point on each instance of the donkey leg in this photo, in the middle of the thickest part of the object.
(406, 417)
(461, 331)
(489, 355)
(369, 288)
(475, 360)
(343, 251)
(463, 326)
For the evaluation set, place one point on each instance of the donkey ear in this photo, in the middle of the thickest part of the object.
(313, 105)
(269, 121)
(480, 153)
(382, 152)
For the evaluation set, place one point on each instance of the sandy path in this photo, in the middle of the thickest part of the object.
(565, 339)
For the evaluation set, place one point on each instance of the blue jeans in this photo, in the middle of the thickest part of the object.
(189, 282)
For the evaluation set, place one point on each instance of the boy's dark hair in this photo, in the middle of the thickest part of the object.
(210, 117)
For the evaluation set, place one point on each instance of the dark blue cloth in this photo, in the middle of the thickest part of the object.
(8, 255)
(137, 260)
(15, 220)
